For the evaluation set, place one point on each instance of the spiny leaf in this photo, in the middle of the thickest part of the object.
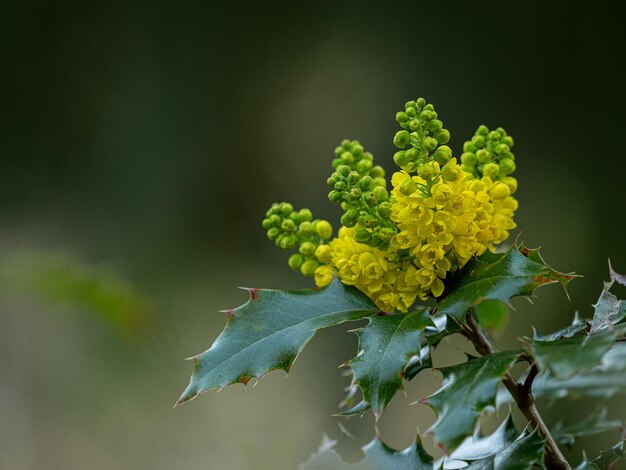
(477, 447)
(523, 454)
(378, 456)
(466, 391)
(386, 345)
(493, 314)
(605, 460)
(269, 331)
(498, 276)
(595, 423)
(576, 327)
(567, 356)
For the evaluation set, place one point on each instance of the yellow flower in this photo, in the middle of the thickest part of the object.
(323, 275)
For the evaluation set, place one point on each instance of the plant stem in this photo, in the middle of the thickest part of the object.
(521, 393)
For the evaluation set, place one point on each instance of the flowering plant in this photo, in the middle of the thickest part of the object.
(419, 261)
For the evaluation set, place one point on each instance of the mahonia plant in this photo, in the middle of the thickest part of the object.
(433, 234)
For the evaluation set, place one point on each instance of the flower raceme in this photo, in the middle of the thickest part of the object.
(399, 245)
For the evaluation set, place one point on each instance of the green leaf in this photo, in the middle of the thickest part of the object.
(498, 276)
(378, 456)
(478, 447)
(467, 389)
(523, 454)
(493, 314)
(269, 331)
(605, 460)
(389, 344)
(576, 327)
(567, 356)
(595, 423)
(603, 381)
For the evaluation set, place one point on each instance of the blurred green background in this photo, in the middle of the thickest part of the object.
(141, 143)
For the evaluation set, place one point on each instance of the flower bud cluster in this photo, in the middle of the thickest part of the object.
(360, 187)
(291, 229)
(489, 154)
(422, 139)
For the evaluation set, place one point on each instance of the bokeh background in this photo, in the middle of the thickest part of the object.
(141, 143)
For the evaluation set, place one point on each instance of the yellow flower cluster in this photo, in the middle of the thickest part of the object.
(390, 285)
(442, 221)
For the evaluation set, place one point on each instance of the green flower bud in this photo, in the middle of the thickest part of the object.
(494, 136)
(402, 117)
(308, 249)
(287, 243)
(381, 193)
(286, 208)
(338, 151)
(435, 125)
(295, 261)
(443, 155)
(364, 166)
(491, 170)
(332, 179)
(370, 222)
(482, 130)
(430, 144)
(469, 159)
(429, 107)
(345, 206)
(305, 215)
(410, 167)
(408, 187)
(450, 173)
(308, 267)
(467, 169)
(420, 102)
(469, 147)
(343, 170)
(288, 225)
(412, 154)
(366, 183)
(336, 162)
(362, 236)
(501, 131)
(508, 140)
(411, 111)
(353, 177)
(401, 139)
(324, 229)
(410, 104)
(502, 149)
(511, 183)
(347, 220)
(384, 210)
(273, 233)
(443, 136)
(379, 181)
(427, 115)
(345, 143)
(305, 229)
(368, 156)
(400, 158)
(483, 156)
(370, 199)
(276, 219)
(340, 186)
(267, 223)
(347, 158)
(335, 196)
(377, 172)
(357, 149)
(507, 166)
(478, 141)
(295, 217)
(426, 171)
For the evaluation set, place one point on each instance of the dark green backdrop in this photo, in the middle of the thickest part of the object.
(150, 138)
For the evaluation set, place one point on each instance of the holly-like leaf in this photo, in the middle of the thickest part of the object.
(269, 331)
(478, 447)
(576, 327)
(378, 456)
(523, 454)
(498, 276)
(575, 354)
(595, 423)
(493, 314)
(605, 460)
(389, 344)
(467, 389)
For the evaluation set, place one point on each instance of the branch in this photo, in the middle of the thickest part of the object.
(521, 393)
